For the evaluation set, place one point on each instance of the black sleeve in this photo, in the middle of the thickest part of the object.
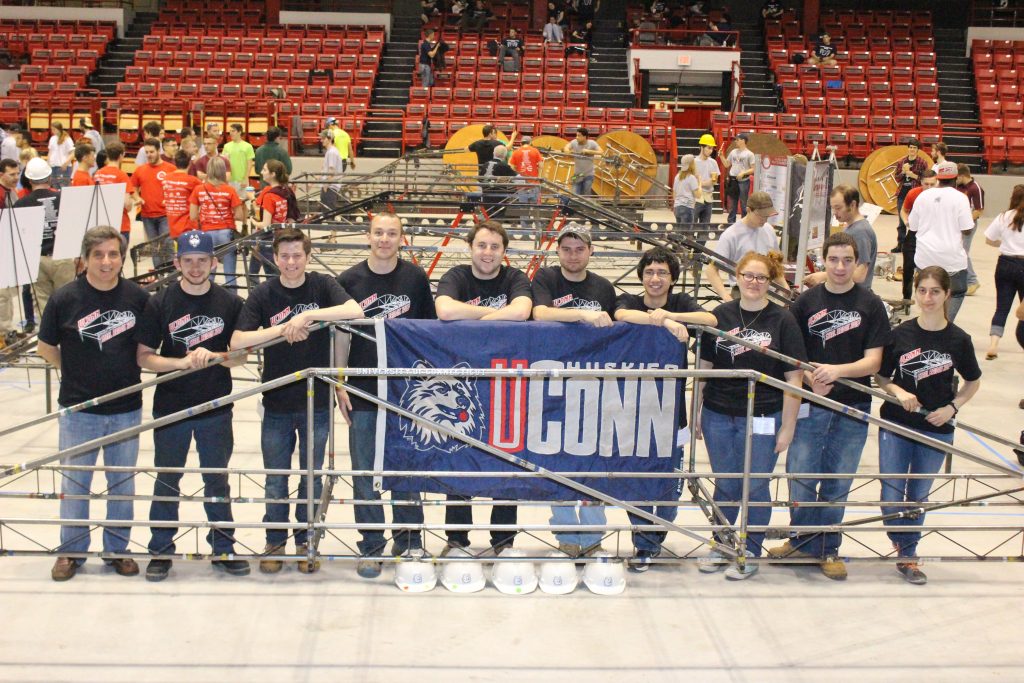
(452, 284)
(889, 360)
(792, 343)
(475, 146)
(879, 330)
(334, 292)
(967, 363)
(542, 295)
(684, 303)
(251, 316)
(49, 325)
(234, 312)
(148, 332)
(421, 291)
(627, 302)
(707, 340)
(519, 285)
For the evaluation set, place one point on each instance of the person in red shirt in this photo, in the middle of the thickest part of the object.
(215, 206)
(178, 187)
(275, 204)
(147, 184)
(527, 161)
(111, 174)
(85, 156)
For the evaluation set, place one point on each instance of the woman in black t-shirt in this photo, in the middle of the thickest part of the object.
(917, 369)
(723, 417)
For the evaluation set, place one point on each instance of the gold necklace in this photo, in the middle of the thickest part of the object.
(745, 325)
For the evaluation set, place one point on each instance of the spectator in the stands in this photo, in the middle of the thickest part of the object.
(659, 8)
(428, 9)
(582, 40)
(477, 17)
(553, 32)
(824, 52)
(428, 50)
(586, 9)
(455, 12)
(720, 32)
(512, 50)
(697, 9)
(556, 9)
(772, 9)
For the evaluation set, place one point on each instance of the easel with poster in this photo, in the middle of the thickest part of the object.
(21, 236)
(82, 208)
(814, 215)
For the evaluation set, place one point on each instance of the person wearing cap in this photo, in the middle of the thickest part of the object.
(343, 141)
(707, 174)
(686, 191)
(908, 175)
(739, 162)
(940, 218)
(583, 150)
(658, 271)
(527, 162)
(91, 134)
(569, 293)
(87, 333)
(187, 326)
(970, 187)
(845, 204)
(53, 273)
(241, 158)
(750, 233)
(333, 166)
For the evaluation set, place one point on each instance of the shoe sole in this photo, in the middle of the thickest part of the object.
(232, 572)
(271, 570)
(740, 577)
(155, 578)
(62, 578)
(712, 568)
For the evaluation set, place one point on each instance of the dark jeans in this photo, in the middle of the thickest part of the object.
(278, 442)
(702, 213)
(214, 442)
(901, 227)
(909, 251)
(26, 301)
(463, 514)
(1009, 284)
(264, 260)
(957, 293)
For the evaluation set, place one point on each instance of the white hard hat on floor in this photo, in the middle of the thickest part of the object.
(605, 576)
(463, 577)
(414, 575)
(559, 577)
(514, 578)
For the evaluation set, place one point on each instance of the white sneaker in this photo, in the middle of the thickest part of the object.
(734, 573)
(713, 562)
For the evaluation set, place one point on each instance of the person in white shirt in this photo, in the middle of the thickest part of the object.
(1006, 231)
(750, 233)
(553, 32)
(707, 173)
(333, 164)
(940, 217)
(9, 146)
(686, 190)
(740, 164)
(60, 155)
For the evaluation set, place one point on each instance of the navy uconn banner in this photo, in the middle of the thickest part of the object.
(559, 423)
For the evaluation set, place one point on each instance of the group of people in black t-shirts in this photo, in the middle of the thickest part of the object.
(102, 329)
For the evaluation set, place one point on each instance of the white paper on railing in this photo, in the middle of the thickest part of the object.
(870, 211)
(82, 208)
(21, 235)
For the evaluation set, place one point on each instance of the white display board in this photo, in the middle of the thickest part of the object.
(21, 236)
(771, 175)
(82, 208)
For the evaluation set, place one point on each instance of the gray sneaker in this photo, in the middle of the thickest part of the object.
(714, 561)
(734, 573)
(368, 569)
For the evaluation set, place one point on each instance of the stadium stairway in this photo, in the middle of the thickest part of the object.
(608, 73)
(758, 85)
(120, 54)
(958, 99)
(391, 89)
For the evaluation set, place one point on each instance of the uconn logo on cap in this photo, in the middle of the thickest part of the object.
(193, 240)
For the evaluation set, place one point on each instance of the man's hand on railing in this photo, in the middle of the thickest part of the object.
(199, 358)
(295, 330)
(344, 405)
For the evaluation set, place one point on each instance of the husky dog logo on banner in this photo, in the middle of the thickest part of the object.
(446, 401)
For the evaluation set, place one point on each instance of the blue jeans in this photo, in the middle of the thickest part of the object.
(362, 444)
(958, 290)
(214, 442)
(76, 429)
(825, 442)
(684, 215)
(228, 258)
(651, 541)
(60, 177)
(278, 442)
(899, 455)
(265, 260)
(725, 436)
(702, 213)
(972, 277)
(426, 75)
(583, 185)
(155, 227)
(528, 195)
(744, 186)
(589, 514)
(1009, 285)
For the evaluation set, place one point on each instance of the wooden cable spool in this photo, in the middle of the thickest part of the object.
(877, 178)
(556, 167)
(629, 163)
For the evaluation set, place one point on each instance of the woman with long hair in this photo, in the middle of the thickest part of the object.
(722, 403)
(60, 155)
(275, 204)
(686, 190)
(215, 206)
(917, 369)
(1005, 233)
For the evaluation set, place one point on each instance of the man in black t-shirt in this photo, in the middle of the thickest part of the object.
(386, 287)
(284, 306)
(658, 270)
(512, 49)
(496, 182)
(845, 330)
(427, 52)
(187, 326)
(484, 290)
(484, 147)
(86, 332)
(568, 293)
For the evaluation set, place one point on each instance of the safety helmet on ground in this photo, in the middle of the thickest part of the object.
(605, 575)
(559, 576)
(462, 576)
(413, 574)
(707, 139)
(37, 169)
(511, 577)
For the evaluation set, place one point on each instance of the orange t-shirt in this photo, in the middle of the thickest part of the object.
(274, 204)
(216, 206)
(112, 175)
(81, 179)
(527, 161)
(178, 188)
(148, 180)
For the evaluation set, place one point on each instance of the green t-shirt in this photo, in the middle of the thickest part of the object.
(239, 154)
(343, 141)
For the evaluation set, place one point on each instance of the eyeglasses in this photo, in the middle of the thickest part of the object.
(753, 277)
(656, 273)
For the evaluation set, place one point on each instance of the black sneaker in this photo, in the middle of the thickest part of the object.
(230, 567)
(29, 327)
(641, 561)
(157, 570)
(911, 573)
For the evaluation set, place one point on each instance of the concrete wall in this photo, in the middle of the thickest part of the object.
(123, 17)
(339, 19)
(7, 76)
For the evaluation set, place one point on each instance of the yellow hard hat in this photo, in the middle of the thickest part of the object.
(707, 139)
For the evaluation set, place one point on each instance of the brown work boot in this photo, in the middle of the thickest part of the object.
(304, 565)
(125, 567)
(65, 568)
(834, 568)
(788, 551)
(272, 566)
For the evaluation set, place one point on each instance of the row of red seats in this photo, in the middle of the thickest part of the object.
(247, 60)
(998, 124)
(59, 28)
(864, 58)
(590, 115)
(257, 45)
(264, 31)
(880, 122)
(875, 43)
(990, 92)
(155, 75)
(86, 58)
(983, 76)
(1001, 108)
(846, 17)
(20, 45)
(516, 79)
(905, 89)
(43, 88)
(206, 91)
(421, 95)
(216, 15)
(1004, 149)
(861, 105)
(34, 73)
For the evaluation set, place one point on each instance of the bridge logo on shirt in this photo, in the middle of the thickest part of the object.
(190, 331)
(569, 301)
(385, 305)
(922, 364)
(104, 326)
(291, 311)
(499, 301)
(762, 339)
(449, 402)
(827, 324)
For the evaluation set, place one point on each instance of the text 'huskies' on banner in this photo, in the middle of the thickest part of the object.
(564, 424)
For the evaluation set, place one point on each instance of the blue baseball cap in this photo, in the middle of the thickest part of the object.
(194, 242)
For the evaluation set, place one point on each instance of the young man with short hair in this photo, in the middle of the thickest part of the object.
(750, 233)
(285, 306)
(386, 287)
(909, 174)
(485, 146)
(583, 150)
(241, 157)
(707, 174)
(85, 159)
(845, 329)
(178, 187)
(272, 149)
(86, 332)
(740, 165)
(151, 131)
(147, 185)
(976, 196)
(845, 205)
(427, 51)
(333, 165)
(111, 174)
(199, 165)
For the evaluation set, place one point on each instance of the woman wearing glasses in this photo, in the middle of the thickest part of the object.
(722, 418)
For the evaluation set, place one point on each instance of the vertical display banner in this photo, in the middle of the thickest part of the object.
(82, 208)
(21, 236)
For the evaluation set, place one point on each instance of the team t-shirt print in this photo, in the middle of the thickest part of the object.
(828, 324)
(102, 326)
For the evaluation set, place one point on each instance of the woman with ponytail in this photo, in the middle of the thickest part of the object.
(1005, 233)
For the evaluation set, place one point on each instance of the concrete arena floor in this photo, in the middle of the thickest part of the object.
(672, 623)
